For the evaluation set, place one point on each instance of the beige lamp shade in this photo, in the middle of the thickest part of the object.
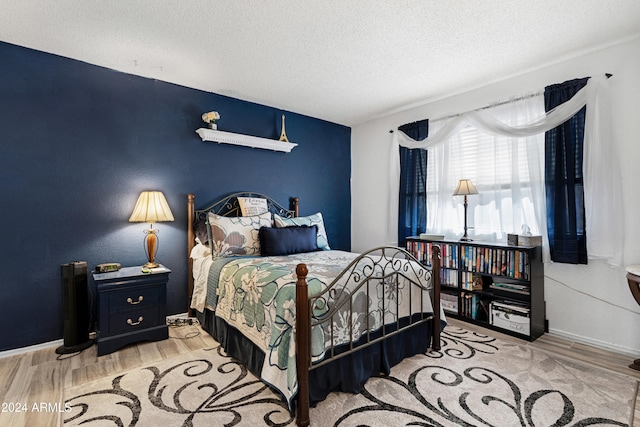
(465, 187)
(151, 207)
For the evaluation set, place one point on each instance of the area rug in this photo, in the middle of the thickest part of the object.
(475, 380)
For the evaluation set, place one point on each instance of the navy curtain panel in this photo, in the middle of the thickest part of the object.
(412, 209)
(564, 180)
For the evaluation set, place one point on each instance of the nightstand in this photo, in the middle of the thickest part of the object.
(132, 307)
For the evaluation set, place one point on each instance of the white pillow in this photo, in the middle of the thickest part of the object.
(250, 206)
(315, 219)
(231, 236)
(200, 251)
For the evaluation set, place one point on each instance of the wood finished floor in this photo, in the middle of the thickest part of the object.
(39, 377)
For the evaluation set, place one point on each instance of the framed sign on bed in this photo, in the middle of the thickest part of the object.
(266, 285)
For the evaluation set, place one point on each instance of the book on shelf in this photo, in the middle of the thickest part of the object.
(471, 281)
(475, 306)
(511, 287)
(513, 263)
(422, 251)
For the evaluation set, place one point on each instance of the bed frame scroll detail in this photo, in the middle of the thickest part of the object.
(304, 321)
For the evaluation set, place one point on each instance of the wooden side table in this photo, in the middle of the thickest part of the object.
(132, 307)
(633, 278)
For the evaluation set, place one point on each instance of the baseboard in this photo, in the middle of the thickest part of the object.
(57, 343)
(22, 350)
(594, 343)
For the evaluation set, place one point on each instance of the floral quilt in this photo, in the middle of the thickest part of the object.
(257, 296)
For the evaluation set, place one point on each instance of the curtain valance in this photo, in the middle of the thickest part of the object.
(603, 205)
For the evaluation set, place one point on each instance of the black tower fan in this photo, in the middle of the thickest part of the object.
(75, 308)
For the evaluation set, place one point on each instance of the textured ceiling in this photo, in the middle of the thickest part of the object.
(345, 61)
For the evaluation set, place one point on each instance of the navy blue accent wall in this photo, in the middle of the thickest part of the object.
(79, 142)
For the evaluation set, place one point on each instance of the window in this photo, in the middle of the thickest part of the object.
(508, 173)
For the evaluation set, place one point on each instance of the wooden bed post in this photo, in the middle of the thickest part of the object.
(435, 262)
(296, 212)
(302, 345)
(191, 201)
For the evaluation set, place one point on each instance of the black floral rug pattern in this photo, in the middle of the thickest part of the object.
(474, 380)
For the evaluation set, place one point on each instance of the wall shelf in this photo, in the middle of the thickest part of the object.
(222, 137)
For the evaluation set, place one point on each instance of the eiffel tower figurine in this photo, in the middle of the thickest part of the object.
(283, 134)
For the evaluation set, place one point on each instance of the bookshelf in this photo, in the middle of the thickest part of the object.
(497, 286)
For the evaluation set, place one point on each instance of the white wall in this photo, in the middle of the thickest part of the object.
(589, 303)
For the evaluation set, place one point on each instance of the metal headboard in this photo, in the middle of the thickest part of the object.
(229, 206)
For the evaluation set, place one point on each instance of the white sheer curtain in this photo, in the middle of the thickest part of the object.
(603, 206)
(507, 172)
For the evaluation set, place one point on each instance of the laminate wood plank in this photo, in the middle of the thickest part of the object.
(37, 390)
(8, 370)
(143, 353)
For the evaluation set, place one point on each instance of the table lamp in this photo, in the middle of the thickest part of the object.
(465, 188)
(151, 207)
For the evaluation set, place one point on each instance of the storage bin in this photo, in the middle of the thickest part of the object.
(511, 318)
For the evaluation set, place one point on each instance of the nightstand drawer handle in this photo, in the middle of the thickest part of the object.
(130, 301)
(132, 323)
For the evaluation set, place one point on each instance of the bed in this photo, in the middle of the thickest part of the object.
(306, 319)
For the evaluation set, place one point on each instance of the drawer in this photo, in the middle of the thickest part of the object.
(133, 320)
(133, 298)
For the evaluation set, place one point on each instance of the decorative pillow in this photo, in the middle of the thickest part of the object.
(250, 206)
(288, 240)
(236, 235)
(315, 219)
(200, 230)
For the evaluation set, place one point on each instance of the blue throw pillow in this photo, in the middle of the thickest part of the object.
(288, 240)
